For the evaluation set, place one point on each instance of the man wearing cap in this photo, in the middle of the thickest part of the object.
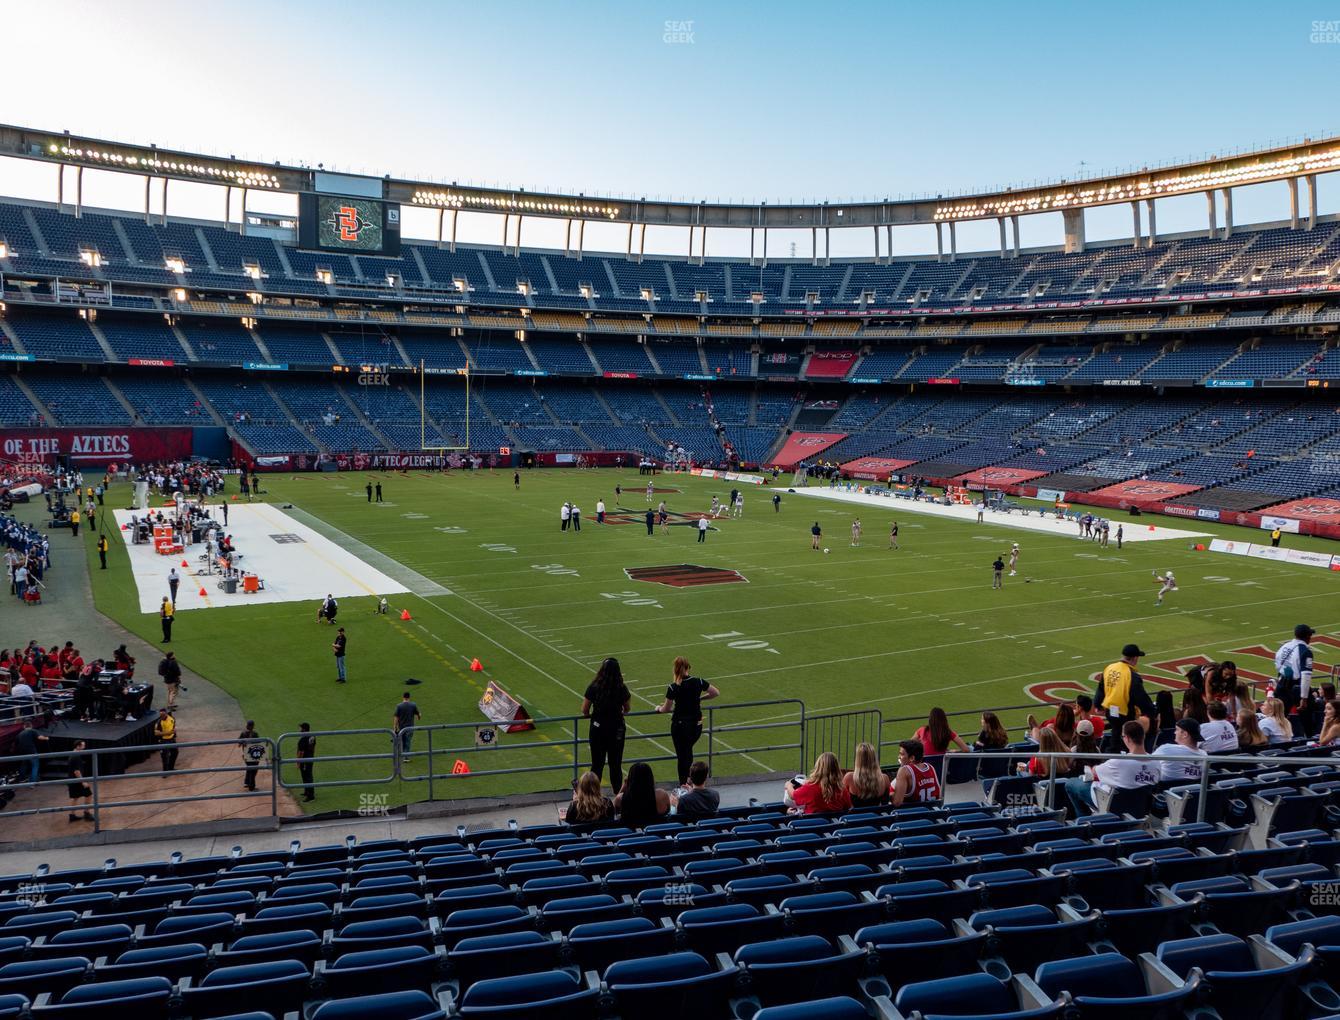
(1184, 756)
(1293, 666)
(1124, 772)
(1121, 694)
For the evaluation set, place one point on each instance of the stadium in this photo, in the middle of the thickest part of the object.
(861, 608)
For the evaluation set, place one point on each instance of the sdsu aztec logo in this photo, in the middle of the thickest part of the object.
(813, 441)
(1149, 489)
(348, 223)
(685, 575)
(1320, 508)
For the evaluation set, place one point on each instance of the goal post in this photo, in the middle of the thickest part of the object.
(424, 425)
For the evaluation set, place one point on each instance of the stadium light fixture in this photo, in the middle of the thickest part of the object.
(253, 271)
(4, 250)
(149, 162)
(513, 204)
(179, 294)
(255, 297)
(175, 265)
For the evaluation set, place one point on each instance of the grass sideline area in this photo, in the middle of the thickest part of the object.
(857, 628)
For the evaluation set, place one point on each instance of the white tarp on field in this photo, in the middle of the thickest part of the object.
(296, 563)
(1138, 529)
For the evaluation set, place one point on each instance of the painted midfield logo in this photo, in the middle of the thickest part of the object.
(684, 575)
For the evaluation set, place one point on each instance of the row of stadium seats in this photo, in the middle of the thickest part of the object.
(40, 240)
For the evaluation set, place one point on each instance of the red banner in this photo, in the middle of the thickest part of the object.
(995, 477)
(877, 468)
(1317, 510)
(804, 445)
(94, 447)
(1138, 493)
(830, 364)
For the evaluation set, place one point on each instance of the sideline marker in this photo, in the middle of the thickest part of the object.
(404, 615)
(460, 768)
(476, 666)
(203, 593)
(184, 563)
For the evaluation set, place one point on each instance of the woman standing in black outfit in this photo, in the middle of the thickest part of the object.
(685, 695)
(606, 703)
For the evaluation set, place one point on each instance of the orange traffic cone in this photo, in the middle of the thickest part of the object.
(184, 563)
(202, 592)
(475, 666)
(404, 615)
(460, 768)
(1151, 527)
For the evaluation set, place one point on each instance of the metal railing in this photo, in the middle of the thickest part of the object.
(104, 775)
(444, 746)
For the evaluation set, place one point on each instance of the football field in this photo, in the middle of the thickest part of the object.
(491, 576)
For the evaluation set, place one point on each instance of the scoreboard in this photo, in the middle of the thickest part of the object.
(367, 226)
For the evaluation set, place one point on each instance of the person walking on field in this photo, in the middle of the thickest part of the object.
(369, 487)
(338, 647)
(102, 550)
(174, 579)
(306, 752)
(816, 533)
(606, 701)
(253, 753)
(997, 569)
(165, 615)
(702, 529)
(165, 734)
(170, 670)
(684, 697)
(406, 715)
(379, 492)
(893, 535)
(74, 523)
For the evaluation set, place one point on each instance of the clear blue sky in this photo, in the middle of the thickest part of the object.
(775, 100)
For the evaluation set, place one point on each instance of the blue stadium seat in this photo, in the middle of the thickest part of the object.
(670, 987)
(930, 898)
(924, 947)
(1106, 884)
(560, 915)
(507, 955)
(710, 930)
(1233, 905)
(12, 1007)
(205, 929)
(391, 931)
(1027, 935)
(281, 984)
(539, 891)
(797, 969)
(464, 924)
(761, 889)
(13, 947)
(551, 995)
(595, 945)
(1016, 886)
(33, 977)
(1248, 981)
(837, 1007)
(287, 917)
(100, 940)
(172, 962)
(398, 969)
(146, 998)
(674, 899)
(381, 907)
(393, 1006)
(1110, 985)
(972, 995)
(831, 914)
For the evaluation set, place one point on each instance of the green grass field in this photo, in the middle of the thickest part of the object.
(860, 628)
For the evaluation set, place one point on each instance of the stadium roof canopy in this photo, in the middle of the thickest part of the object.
(1210, 176)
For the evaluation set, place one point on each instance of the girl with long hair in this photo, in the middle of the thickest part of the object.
(1064, 723)
(936, 736)
(1274, 721)
(640, 802)
(822, 790)
(992, 736)
(606, 702)
(685, 696)
(1193, 706)
(589, 804)
(1249, 731)
(1049, 742)
(866, 784)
